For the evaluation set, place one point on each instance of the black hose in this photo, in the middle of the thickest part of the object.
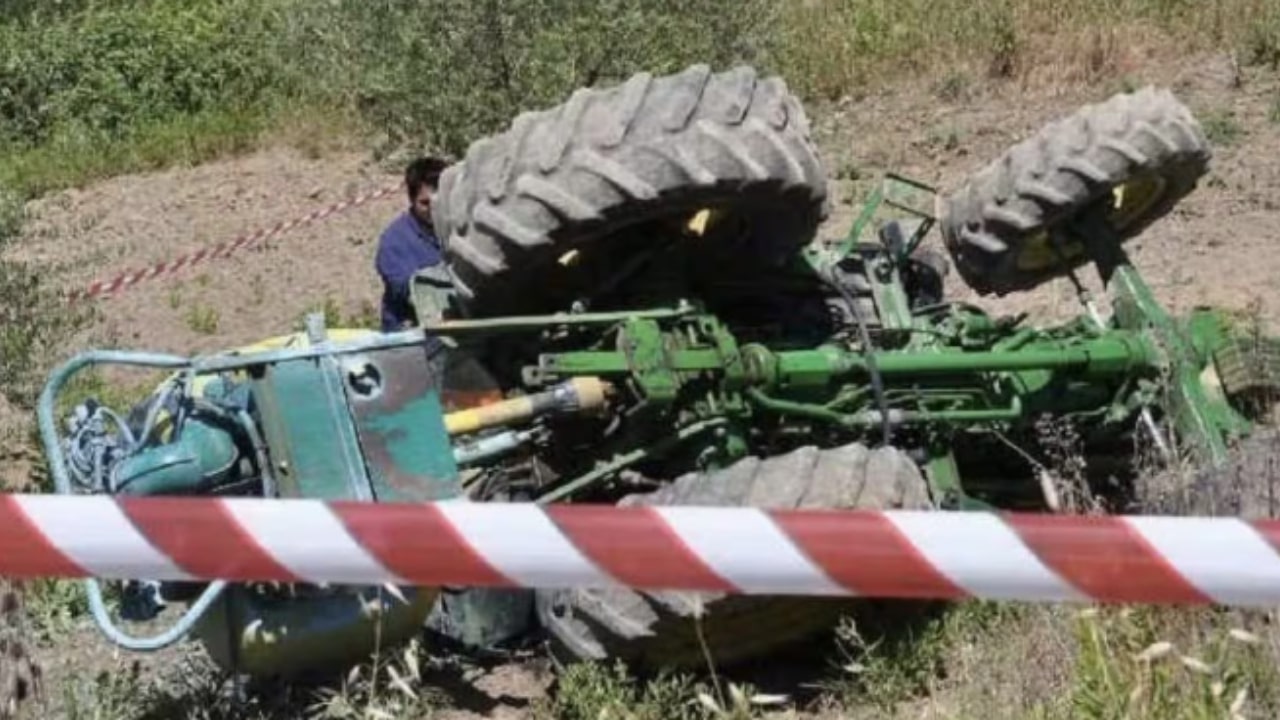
(877, 382)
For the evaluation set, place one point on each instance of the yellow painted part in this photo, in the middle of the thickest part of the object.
(1129, 201)
(1038, 254)
(280, 342)
(698, 224)
(591, 392)
(487, 416)
(703, 220)
(1135, 198)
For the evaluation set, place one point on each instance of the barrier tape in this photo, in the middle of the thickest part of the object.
(224, 249)
(894, 554)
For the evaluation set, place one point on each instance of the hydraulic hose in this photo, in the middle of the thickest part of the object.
(155, 642)
(62, 483)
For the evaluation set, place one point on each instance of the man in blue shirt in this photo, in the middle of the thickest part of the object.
(408, 245)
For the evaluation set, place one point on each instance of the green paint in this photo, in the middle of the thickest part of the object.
(1109, 355)
(611, 467)
(417, 444)
(202, 455)
(538, 323)
(945, 486)
(895, 198)
(891, 298)
(1204, 422)
(309, 429)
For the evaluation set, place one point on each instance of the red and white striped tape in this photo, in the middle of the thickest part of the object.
(897, 554)
(129, 278)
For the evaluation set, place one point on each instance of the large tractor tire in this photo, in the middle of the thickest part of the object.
(1132, 158)
(628, 161)
(651, 631)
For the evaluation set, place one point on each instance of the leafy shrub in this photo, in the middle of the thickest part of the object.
(439, 73)
(108, 70)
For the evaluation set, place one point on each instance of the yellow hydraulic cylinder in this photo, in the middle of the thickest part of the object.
(576, 395)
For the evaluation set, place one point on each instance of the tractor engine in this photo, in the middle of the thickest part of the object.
(291, 418)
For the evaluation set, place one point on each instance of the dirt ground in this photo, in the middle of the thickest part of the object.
(1219, 246)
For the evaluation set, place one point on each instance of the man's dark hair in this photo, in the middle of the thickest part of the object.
(423, 171)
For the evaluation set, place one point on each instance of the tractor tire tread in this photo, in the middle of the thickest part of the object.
(652, 630)
(1062, 169)
(612, 156)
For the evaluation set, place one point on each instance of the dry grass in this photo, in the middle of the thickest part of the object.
(1051, 662)
(19, 677)
(836, 48)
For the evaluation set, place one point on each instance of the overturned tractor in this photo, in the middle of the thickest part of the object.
(636, 309)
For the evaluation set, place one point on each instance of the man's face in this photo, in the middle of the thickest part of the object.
(421, 206)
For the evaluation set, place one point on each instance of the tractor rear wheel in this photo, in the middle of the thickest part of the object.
(651, 631)
(1132, 157)
(542, 215)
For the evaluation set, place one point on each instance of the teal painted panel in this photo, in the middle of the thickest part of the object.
(308, 426)
(399, 415)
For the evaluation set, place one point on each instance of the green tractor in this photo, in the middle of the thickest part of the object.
(636, 310)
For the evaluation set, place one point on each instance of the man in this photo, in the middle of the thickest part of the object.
(408, 245)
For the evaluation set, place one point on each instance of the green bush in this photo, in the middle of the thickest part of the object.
(108, 70)
(438, 74)
(97, 87)
(89, 88)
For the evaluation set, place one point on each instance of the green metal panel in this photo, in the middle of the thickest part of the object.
(308, 427)
(395, 402)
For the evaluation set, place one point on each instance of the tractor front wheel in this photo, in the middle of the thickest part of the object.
(1132, 157)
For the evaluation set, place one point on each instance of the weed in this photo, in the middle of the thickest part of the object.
(12, 213)
(1262, 40)
(892, 667)
(20, 679)
(366, 317)
(1221, 127)
(334, 316)
(203, 319)
(945, 137)
(53, 606)
(1004, 47)
(257, 290)
(1157, 663)
(1273, 112)
(108, 695)
(32, 315)
(953, 88)
(590, 691)
(95, 89)
(380, 688)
